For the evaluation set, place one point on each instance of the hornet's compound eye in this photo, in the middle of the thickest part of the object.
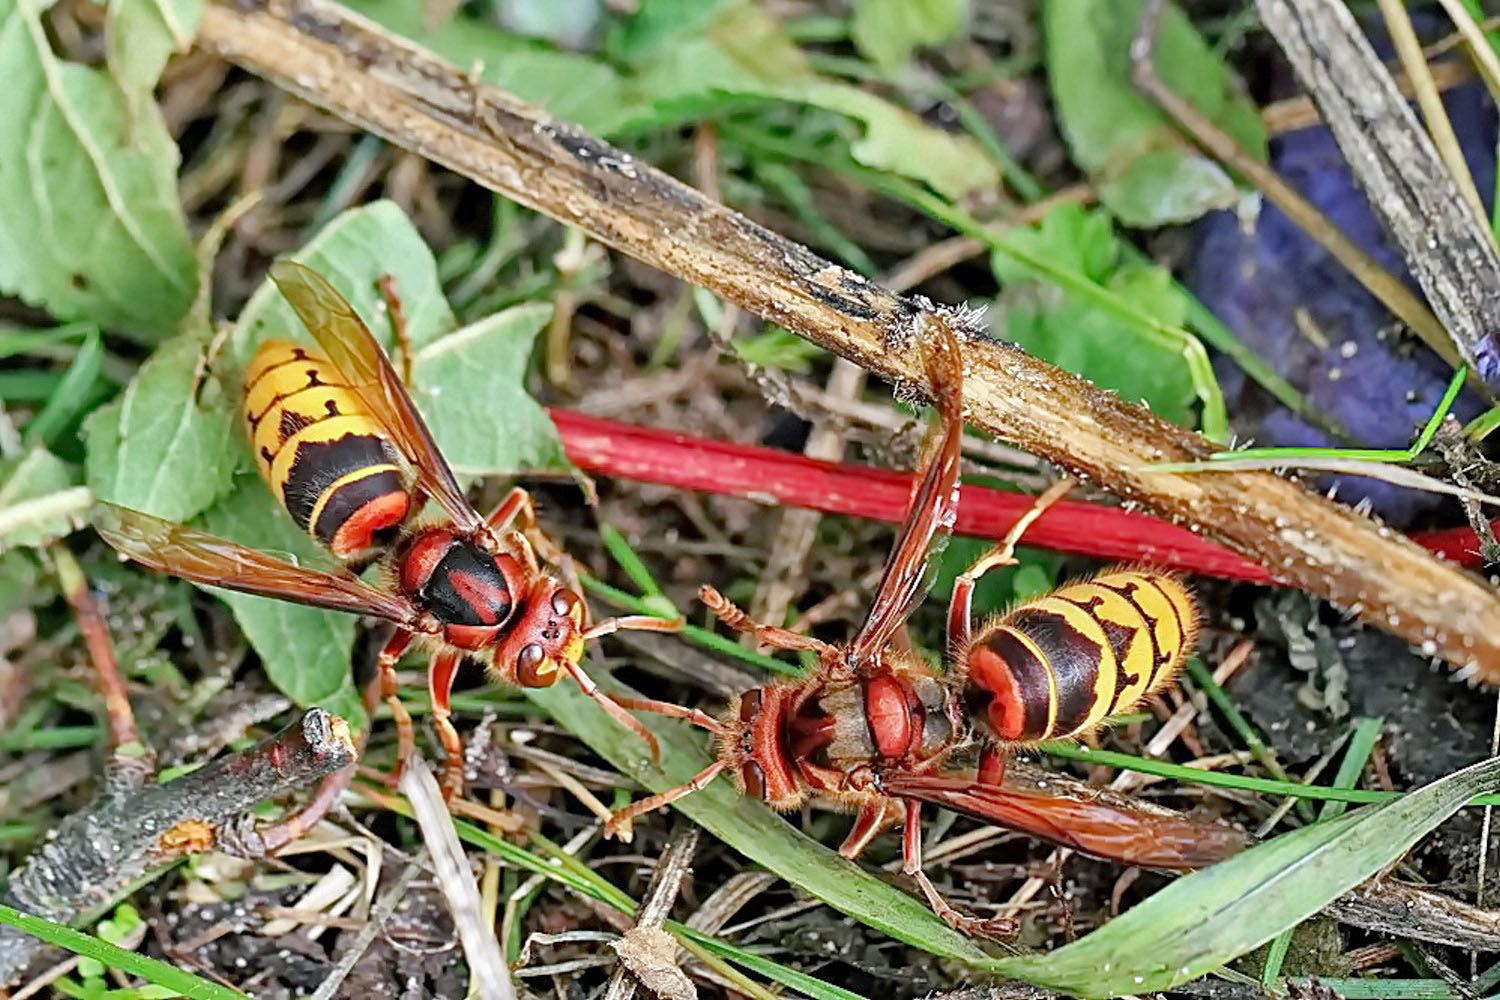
(564, 602)
(529, 665)
(755, 780)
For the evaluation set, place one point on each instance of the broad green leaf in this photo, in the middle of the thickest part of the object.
(40, 499)
(471, 383)
(92, 227)
(1206, 919)
(746, 53)
(749, 826)
(886, 32)
(1168, 371)
(163, 447)
(306, 652)
(1145, 171)
(140, 36)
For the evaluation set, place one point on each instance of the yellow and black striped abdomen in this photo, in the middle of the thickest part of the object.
(1057, 665)
(325, 457)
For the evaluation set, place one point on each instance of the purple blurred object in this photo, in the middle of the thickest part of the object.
(1305, 316)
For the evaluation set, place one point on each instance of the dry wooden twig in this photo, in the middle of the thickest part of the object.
(1446, 248)
(339, 61)
(136, 825)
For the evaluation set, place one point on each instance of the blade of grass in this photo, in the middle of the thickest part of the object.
(1242, 727)
(116, 957)
(1361, 744)
(70, 396)
(1380, 989)
(1210, 917)
(620, 550)
(1243, 782)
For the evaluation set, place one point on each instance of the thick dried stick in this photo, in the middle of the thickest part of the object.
(342, 62)
(1445, 247)
(136, 825)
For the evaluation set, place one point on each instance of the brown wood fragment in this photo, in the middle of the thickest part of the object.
(381, 82)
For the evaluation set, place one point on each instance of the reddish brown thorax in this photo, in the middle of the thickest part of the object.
(467, 588)
(836, 736)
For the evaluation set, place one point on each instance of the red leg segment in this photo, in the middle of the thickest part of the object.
(385, 669)
(440, 677)
(779, 638)
(911, 864)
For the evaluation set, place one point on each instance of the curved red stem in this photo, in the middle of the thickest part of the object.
(667, 458)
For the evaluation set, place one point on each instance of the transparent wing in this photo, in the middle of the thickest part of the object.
(929, 512)
(358, 356)
(204, 558)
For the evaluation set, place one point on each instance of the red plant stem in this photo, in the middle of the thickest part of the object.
(765, 475)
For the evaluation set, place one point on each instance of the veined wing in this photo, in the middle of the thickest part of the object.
(355, 352)
(204, 558)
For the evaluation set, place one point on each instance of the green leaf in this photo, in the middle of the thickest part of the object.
(140, 36)
(92, 227)
(748, 825)
(1145, 172)
(40, 499)
(163, 447)
(746, 53)
(1169, 372)
(471, 383)
(306, 652)
(1213, 916)
(886, 32)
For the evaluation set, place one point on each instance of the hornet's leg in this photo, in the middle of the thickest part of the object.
(612, 707)
(992, 766)
(911, 864)
(516, 509)
(872, 819)
(440, 686)
(385, 671)
(621, 820)
(771, 635)
(959, 606)
(399, 332)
